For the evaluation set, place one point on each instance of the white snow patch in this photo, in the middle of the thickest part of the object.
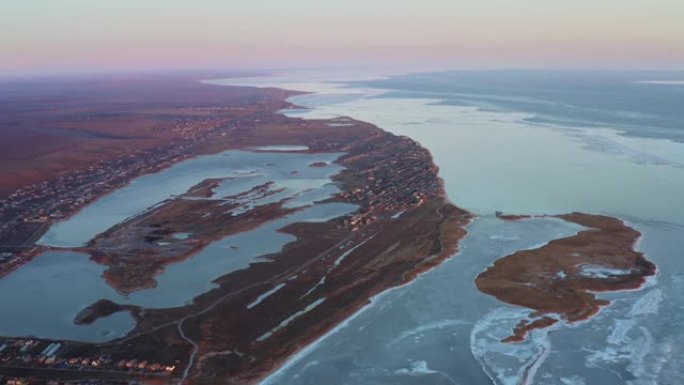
(265, 295)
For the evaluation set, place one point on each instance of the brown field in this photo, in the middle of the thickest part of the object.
(51, 126)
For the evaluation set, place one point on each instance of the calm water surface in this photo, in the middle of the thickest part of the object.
(57, 285)
(247, 169)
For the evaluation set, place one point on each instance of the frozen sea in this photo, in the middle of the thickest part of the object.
(526, 142)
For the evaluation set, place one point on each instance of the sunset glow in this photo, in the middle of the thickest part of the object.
(85, 35)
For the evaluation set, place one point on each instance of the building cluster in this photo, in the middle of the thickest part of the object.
(40, 354)
(13, 380)
(217, 108)
(397, 175)
(189, 128)
(54, 199)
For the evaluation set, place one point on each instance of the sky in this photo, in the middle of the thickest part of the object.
(97, 35)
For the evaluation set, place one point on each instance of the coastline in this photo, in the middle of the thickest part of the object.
(164, 120)
(202, 150)
(400, 178)
(305, 350)
(343, 319)
(558, 203)
(305, 346)
(448, 249)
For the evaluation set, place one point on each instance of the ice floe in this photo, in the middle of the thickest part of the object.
(508, 363)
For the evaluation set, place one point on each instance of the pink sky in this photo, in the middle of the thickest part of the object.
(73, 35)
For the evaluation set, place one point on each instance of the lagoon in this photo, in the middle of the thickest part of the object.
(148, 190)
(65, 282)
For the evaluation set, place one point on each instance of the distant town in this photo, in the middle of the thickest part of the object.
(391, 179)
(28, 212)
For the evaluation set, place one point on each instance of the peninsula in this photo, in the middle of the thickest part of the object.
(254, 318)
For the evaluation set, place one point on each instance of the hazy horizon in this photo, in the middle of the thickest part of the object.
(80, 35)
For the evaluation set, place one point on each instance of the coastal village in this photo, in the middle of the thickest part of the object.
(27, 213)
(60, 356)
(396, 179)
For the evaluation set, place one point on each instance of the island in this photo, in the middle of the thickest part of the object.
(561, 280)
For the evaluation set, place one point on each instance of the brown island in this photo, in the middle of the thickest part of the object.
(559, 280)
(255, 318)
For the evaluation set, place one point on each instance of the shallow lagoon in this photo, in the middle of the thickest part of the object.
(42, 298)
(57, 285)
(63, 282)
(248, 169)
